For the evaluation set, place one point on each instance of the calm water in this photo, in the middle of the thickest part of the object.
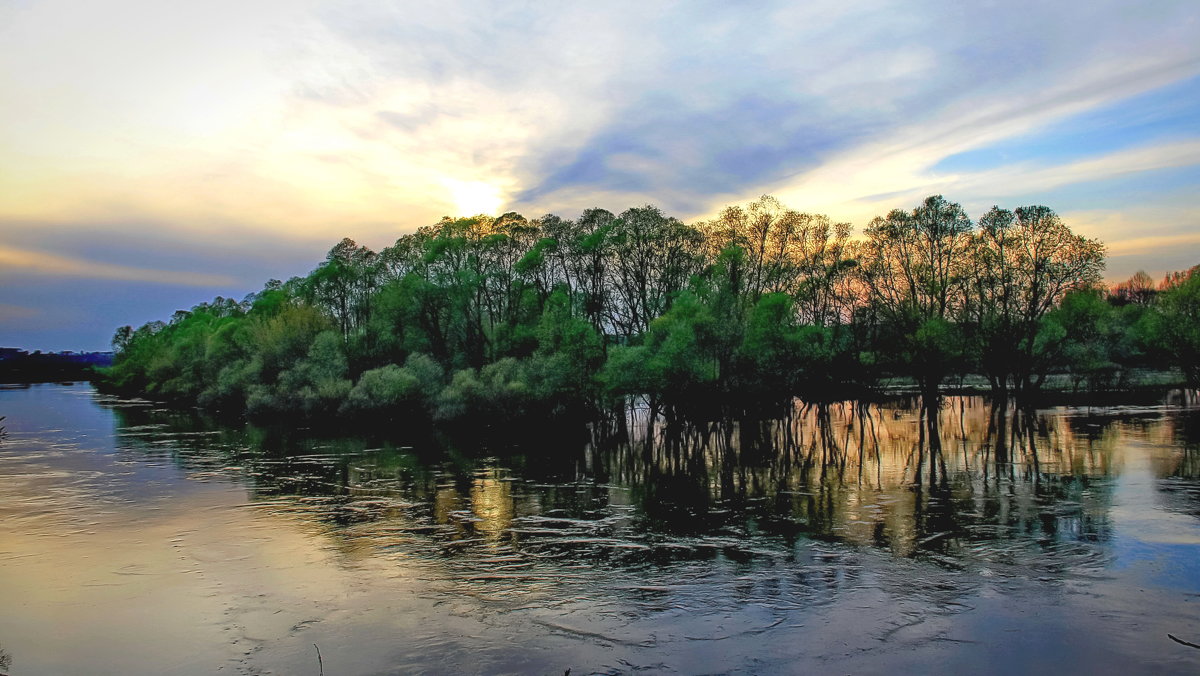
(140, 541)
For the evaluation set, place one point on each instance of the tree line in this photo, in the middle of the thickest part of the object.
(510, 316)
(19, 366)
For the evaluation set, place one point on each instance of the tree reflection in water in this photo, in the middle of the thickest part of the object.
(958, 481)
(903, 476)
(854, 537)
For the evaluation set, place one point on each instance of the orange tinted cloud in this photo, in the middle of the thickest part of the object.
(12, 313)
(37, 262)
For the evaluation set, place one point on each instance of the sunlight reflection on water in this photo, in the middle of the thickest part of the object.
(138, 540)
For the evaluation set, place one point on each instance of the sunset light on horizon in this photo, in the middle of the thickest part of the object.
(155, 155)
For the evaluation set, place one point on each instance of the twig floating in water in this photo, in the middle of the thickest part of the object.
(320, 662)
(1179, 640)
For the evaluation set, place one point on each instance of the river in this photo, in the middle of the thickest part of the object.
(139, 540)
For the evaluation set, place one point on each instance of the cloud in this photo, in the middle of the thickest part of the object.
(1150, 245)
(900, 167)
(16, 313)
(859, 102)
(76, 315)
(226, 131)
(24, 261)
(1168, 219)
(314, 119)
(1029, 177)
(1158, 239)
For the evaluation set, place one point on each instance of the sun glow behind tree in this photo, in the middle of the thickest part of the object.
(169, 152)
(514, 317)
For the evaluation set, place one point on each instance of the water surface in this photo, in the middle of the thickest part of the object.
(135, 540)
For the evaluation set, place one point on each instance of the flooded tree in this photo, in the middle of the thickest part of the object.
(914, 268)
(1022, 265)
(653, 257)
(1177, 327)
(740, 313)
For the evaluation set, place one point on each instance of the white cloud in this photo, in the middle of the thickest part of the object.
(901, 165)
(315, 120)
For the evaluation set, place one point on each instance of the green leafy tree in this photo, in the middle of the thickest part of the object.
(1079, 336)
(1178, 325)
(1022, 265)
(913, 268)
(514, 318)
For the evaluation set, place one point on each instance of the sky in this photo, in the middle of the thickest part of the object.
(154, 155)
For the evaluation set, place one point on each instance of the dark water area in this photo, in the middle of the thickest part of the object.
(858, 539)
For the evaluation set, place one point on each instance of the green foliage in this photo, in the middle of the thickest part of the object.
(315, 385)
(1082, 334)
(386, 389)
(393, 390)
(513, 317)
(501, 389)
(773, 346)
(1176, 328)
(782, 357)
(569, 352)
(677, 356)
(625, 372)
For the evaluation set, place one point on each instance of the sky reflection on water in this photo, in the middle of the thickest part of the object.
(137, 540)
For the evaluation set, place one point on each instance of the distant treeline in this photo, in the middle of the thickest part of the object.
(19, 366)
(514, 317)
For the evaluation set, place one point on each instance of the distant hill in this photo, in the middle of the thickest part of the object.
(17, 365)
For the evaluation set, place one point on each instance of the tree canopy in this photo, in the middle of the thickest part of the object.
(552, 315)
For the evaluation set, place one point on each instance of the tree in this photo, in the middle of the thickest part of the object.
(803, 255)
(1137, 290)
(1079, 336)
(344, 284)
(121, 339)
(913, 268)
(1178, 325)
(1023, 263)
(656, 256)
(536, 318)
